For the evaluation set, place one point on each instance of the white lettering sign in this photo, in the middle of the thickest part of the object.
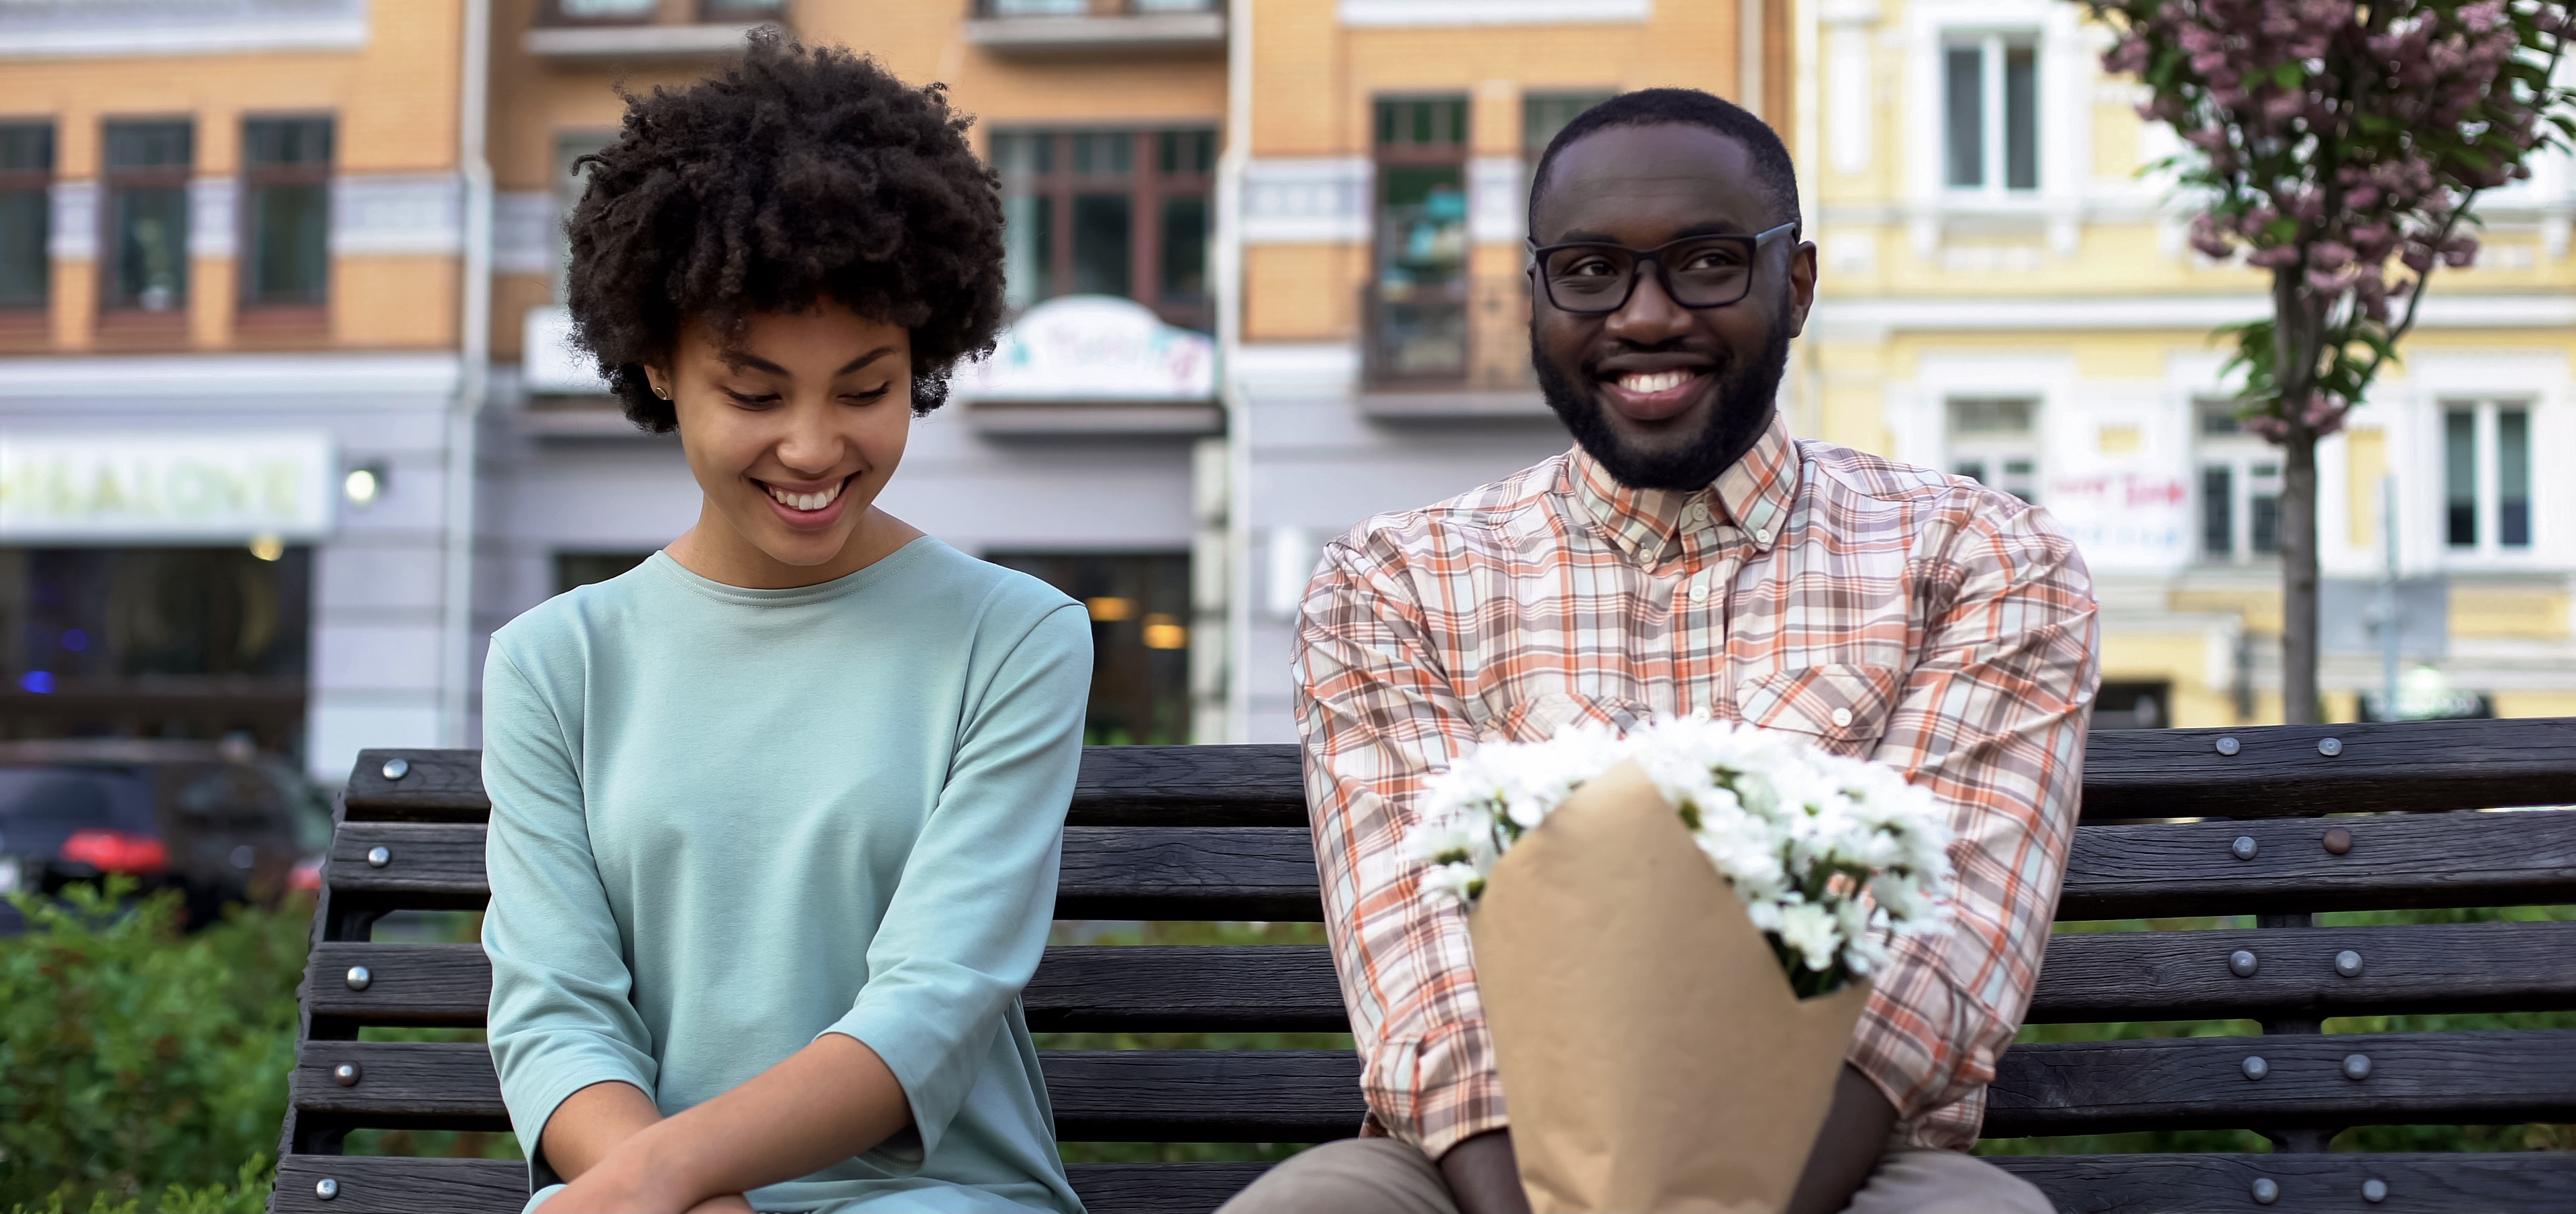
(140, 488)
(1093, 349)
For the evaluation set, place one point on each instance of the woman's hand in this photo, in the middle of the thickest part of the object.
(729, 1203)
(626, 1182)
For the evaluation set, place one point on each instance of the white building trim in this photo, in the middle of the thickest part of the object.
(220, 383)
(214, 216)
(63, 31)
(1497, 200)
(1870, 319)
(409, 213)
(1308, 200)
(523, 232)
(1399, 14)
(74, 234)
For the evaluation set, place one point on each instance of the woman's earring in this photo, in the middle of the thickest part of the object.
(665, 395)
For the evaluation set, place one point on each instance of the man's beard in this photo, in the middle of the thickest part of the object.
(1747, 394)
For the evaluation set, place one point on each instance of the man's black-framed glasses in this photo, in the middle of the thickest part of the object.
(1590, 278)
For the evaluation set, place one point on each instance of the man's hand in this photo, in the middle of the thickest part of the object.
(1847, 1149)
(1485, 1176)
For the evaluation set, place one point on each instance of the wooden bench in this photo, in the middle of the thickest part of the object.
(1219, 833)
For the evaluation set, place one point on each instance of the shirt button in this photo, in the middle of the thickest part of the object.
(1699, 592)
(1699, 512)
(1762, 534)
(1842, 718)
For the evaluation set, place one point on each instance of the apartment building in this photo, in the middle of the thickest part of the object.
(2006, 296)
(231, 234)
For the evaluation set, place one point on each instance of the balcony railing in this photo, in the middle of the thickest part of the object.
(634, 29)
(1459, 350)
(1096, 27)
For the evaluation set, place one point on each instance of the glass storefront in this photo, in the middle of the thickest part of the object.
(201, 643)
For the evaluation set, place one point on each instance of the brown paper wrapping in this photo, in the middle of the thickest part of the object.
(1653, 1056)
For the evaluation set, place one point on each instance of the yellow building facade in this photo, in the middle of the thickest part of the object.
(2007, 293)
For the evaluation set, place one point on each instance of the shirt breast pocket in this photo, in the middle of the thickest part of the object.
(1538, 718)
(1843, 706)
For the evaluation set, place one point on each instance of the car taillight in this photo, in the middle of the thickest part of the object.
(307, 874)
(117, 851)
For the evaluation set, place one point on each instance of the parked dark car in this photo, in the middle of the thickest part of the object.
(212, 820)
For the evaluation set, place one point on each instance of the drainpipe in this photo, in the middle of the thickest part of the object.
(474, 351)
(1229, 341)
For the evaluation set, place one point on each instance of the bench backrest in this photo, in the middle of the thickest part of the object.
(1219, 833)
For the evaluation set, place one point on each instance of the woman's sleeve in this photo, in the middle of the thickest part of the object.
(560, 1019)
(970, 917)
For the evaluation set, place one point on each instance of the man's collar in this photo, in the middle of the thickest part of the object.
(1752, 495)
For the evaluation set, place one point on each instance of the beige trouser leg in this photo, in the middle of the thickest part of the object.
(1384, 1176)
(1917, 1180)
(1353, 1176)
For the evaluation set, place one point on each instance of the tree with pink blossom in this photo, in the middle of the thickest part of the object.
(2341, 147)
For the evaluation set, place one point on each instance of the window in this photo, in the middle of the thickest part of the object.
(2240, 487)
(571, 179)
(576, 569)
(286, 183)
(1544, 114)
(26, 214)
(147, 215)
(1109, 213)
(2132, 705)
(1995, 442)
(2486, 475)
(1990, 112)
(1140, 639)
(1416, 304)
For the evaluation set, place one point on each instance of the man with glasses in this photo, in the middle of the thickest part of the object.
(1689, 556)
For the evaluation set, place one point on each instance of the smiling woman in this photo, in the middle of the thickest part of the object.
(782, 263)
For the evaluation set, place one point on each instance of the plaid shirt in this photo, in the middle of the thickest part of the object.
(1884, 610)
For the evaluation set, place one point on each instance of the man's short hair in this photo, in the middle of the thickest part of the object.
(1773, 172)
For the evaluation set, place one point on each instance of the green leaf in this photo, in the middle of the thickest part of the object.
(2289, 75)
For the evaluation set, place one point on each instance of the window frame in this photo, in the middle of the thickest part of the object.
(2487, 477)
(20, 318)
(115, 317)
(1961, 445)
(1995, 127)
(1146, 185)
(2243, 454)
(1456, 151)
(300, 315)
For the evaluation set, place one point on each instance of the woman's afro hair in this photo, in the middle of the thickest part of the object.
(796, 176)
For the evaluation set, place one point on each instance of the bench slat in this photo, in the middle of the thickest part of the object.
(2414, 1078)
(398, 1185)
(2454, 967)
(2410, 767)
(2528, 1182)
(2396, 861)
(2404, 767)
(1313, 1095)
(2462, 967)
(2533, 1182)
(1268, 873)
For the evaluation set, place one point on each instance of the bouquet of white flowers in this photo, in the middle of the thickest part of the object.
(1606, 953)
(1830, 855)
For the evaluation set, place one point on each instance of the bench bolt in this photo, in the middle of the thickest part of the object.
(2338, 841)
(2245, 848)
(358, 978)
(2329, 747)
(2348, 963)
(2256, 1068)
(326, 1188)
(379, 856)
(2374, 1190)
(347, 1074)
(2229, 746)
(396, 769)
(2266, 1191)
(2356, 1066)
(2243, 963)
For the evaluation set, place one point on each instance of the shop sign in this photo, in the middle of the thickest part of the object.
(1093, 349)
(224, 486)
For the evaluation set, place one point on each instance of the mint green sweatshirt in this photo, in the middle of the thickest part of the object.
(727, 821)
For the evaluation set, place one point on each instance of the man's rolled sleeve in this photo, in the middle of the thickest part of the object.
(1992, 720)
(1378, 718)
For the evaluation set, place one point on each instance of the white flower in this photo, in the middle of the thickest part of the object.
(1832, 856)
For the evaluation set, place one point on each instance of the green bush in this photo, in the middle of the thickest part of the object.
(135, 1060)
